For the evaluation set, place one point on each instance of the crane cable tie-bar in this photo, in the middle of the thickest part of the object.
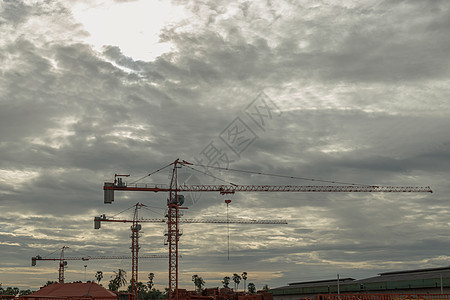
(51, 253)
(150, 174)
(210, 175)
(277, 175)
(123, 211)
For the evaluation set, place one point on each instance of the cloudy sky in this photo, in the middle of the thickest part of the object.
(347, 91)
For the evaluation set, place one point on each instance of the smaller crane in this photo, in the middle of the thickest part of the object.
(136, 227)
(63, 260)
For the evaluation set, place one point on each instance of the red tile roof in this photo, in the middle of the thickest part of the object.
(76, 289)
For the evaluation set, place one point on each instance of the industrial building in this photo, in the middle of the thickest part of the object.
(421, 281)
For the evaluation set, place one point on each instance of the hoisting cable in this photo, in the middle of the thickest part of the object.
(278, 175)
(228, 229)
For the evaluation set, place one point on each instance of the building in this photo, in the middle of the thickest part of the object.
(76, 290)
(422, 281)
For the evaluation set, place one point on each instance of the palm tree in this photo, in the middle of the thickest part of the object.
(194, 279)
(244, 277)
(226, 282)
(198, 282)
(99, 276)
(150, 280)
(119, 280)
(121, 277)
(237, 279)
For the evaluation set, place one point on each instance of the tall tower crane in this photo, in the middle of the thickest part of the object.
(63, 260)
(174, 201)
(136, 227)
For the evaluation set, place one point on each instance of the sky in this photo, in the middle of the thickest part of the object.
(344, 91)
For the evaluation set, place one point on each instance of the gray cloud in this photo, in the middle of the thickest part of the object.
(361, 92)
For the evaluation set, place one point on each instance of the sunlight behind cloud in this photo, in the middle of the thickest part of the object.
(17, 177)
(57, 137)
(132, 26)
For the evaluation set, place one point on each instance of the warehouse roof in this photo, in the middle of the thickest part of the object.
(395, 279)
(409, 275)
(321, 282)
(315, 283)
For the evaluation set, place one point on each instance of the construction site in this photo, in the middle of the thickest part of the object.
(323, 290)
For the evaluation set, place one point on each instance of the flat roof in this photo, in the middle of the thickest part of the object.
(418, 274)
(416, 271)
(410, 275)
(321, 282)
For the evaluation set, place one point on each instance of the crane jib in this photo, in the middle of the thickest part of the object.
(231, 189)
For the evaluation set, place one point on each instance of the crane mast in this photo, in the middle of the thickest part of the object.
(175, 201)
(135, 228)
(173, 235)
(62, 265)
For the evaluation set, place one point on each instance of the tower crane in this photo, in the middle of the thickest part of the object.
(63, 260)
(175, 200)
(136, 227)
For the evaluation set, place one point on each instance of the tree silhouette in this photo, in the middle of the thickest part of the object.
(14, 291)
(198, 282)
(226, 282)
(142, 290)
(251, 288)
(120, 279)
(150, 280)
(99, 276)
(157, 294)
(237, 279)
(49, 282)
(244, 277)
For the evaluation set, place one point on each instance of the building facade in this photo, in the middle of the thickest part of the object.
(422, 281)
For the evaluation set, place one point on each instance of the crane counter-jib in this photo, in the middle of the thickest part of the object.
(109, 189)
